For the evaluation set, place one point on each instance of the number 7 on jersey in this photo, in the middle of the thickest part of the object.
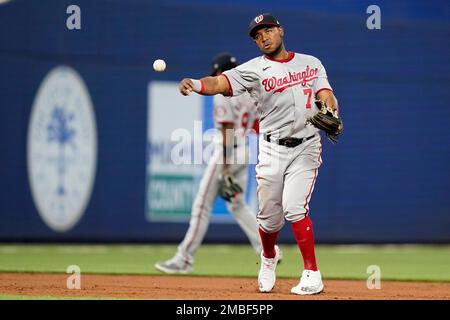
(308, 101)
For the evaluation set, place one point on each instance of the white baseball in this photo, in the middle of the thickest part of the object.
(159, 65)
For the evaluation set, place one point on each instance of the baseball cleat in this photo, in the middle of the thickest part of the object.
(266, 276)
(310, 283)
(173, 266)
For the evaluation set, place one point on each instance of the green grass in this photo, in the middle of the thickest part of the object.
(419, 263)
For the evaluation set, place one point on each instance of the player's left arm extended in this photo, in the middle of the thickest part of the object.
(328, 97)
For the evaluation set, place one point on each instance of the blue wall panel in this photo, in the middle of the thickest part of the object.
(388, 179)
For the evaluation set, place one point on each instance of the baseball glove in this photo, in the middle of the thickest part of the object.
(228, 188)
(327, 120)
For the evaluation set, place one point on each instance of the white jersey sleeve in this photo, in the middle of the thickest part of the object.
(242, 78)
(321, 82)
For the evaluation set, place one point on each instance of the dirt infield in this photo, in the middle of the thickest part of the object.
(194, 287)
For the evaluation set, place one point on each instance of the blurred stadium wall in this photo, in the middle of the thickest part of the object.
(75, 159)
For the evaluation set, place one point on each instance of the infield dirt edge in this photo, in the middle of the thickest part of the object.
(206, 288)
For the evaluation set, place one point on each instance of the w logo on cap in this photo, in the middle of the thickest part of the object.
(259, 18)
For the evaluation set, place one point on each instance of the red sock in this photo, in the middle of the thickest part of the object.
(268, 242)
(304, 235)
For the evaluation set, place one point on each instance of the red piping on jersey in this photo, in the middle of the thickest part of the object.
(202, 88)
(323, 89)
(314, 180)
(201, 208)
(309, 193)
(255, 126)
(291, 56)
(229, 84)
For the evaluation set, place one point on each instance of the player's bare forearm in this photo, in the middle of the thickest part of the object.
(328, 97)
(206, 86)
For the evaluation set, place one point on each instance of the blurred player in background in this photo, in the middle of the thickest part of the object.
(226, 174)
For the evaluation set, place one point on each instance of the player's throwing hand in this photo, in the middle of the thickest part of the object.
(186, 87)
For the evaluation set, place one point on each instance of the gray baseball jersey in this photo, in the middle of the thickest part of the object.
(239, 111)
(285, 90)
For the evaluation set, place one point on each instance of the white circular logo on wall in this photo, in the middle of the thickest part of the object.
(62, 148)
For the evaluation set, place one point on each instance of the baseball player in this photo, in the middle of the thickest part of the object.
(225, 174)
(285, 85)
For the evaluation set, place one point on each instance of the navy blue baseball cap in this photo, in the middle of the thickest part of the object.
(261, 21)
(223, 62)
